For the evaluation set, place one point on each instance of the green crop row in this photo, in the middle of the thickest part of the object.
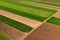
(15, 24)
(54, 20)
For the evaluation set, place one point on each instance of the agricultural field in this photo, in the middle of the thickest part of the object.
(25, 16)
(32, 11)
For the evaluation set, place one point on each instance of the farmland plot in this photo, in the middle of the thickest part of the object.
(35, 16)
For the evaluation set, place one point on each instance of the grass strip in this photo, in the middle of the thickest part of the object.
(2, 37)
(15, 24)
(32, 12)
(54, 20)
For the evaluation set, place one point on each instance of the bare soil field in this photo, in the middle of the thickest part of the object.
(46, 31)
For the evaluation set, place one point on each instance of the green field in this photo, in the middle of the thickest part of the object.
(15, 24)
(32, 12)
(35, 13)
(2, 37)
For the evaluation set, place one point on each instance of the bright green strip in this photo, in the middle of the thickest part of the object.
(2, 37)
(15, 24)
(54, 20)
(16, 9)
(48, 3)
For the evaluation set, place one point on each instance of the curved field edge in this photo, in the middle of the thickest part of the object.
(42, 2)
(15, 24)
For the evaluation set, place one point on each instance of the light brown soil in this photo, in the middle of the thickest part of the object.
(57, 15)
(46, 31)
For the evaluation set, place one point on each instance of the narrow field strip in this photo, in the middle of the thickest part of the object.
(39, 5)
(31, 12)
(15, 24)
(54, 1)
(37, 1)
(58, 5)
(2, 37)
(24, 20)
(49, 1)
(54, 20)
(11, 33)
